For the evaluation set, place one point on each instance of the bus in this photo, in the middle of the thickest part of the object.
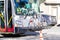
(19, 16)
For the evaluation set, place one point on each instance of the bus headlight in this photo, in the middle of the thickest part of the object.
(16, 25)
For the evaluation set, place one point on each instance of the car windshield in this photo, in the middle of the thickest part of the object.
(24, 7)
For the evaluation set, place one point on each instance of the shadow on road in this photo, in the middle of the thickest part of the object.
(21, 35)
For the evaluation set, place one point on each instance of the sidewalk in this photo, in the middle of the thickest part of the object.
(54, 30)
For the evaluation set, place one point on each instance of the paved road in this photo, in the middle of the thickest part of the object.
(29, 36)
(33, 37)
(52, 34)
(49, 34)
(52, 37)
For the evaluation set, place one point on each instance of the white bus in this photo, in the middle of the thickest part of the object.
(19, 16)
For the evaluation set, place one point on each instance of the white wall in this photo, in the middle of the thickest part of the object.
(52, 1)
(45, 9)
(48, 10)
(58, 19)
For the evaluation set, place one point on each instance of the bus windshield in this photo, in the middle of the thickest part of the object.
(25, 7)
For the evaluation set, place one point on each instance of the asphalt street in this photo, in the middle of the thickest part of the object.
(48, 34)
(27, 36)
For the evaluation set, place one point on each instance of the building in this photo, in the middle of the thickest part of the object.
(51, 7)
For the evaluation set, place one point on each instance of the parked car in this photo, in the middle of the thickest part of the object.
(48, 20)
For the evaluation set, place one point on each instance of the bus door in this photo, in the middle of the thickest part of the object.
(9, 19)
(2, 16)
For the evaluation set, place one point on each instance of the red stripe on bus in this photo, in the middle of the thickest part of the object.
(11, 29)
(2, 29)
